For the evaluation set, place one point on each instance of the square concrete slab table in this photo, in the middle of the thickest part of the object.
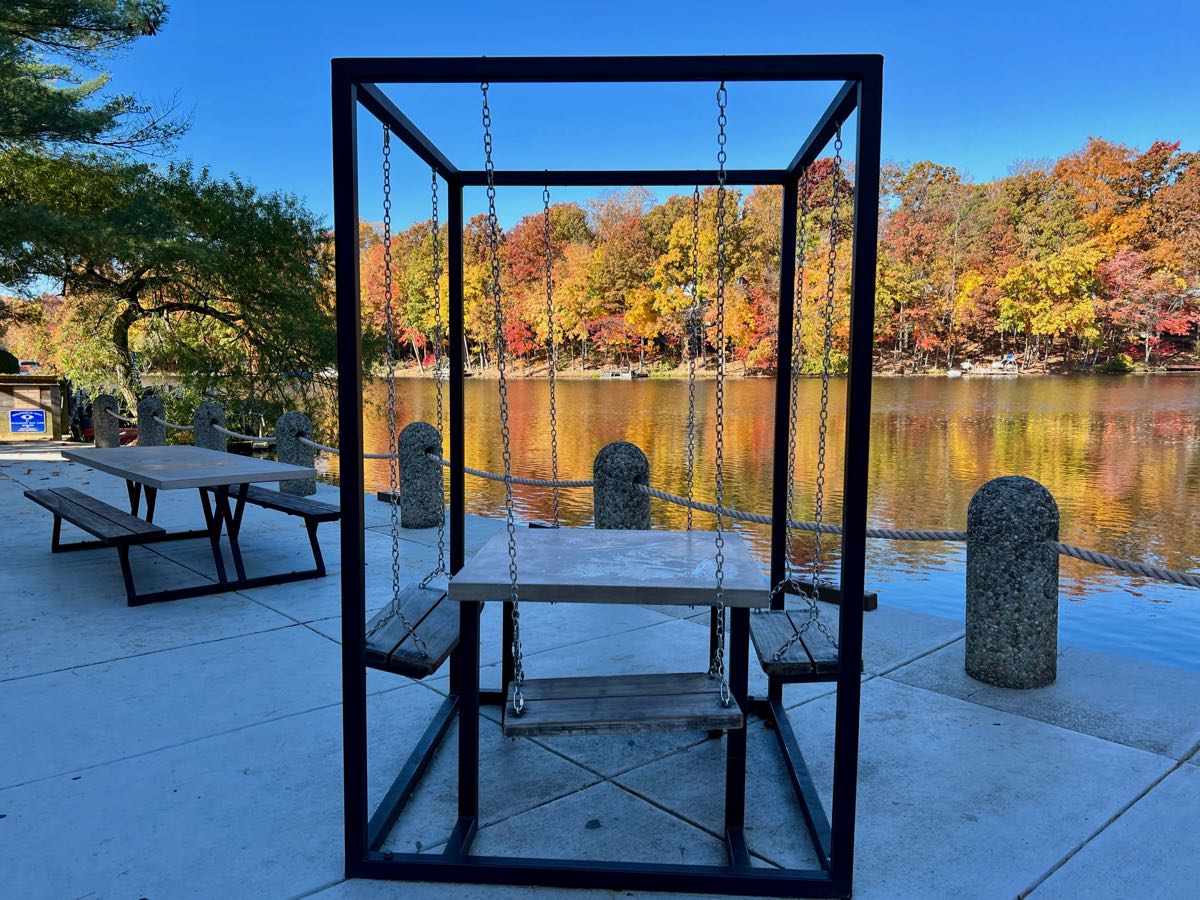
(588, 565)
(216, 476)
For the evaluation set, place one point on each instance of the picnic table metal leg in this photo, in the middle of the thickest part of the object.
(214, 523)
(151, 499)
(234, 523)
(134, 490)
(318, 559)
(131, 597)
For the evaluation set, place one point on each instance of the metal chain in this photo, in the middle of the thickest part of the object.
(552, 350)
(797, 355)
(501, 354)
(826, 349)
(394, 610)
(692, 339)
(717, 666)
(437, 360)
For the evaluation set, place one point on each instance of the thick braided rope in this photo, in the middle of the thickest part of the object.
(1127, 565)
(892, 534)
(237, 435)
(120, 418)
(334, 450)
(161, 421)
(516, 479)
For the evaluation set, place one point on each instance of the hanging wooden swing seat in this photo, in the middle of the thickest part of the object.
(810, 657)
(611, 704)
(434, 623)
(584, 565)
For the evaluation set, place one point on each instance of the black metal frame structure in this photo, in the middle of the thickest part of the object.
(860, 86)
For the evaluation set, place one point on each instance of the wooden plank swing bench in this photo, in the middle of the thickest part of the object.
(419, 651)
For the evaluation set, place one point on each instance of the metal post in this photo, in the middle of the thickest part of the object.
(350, 443)
(466, 657)
(454, 269)
(857, 469)
(781, 468)
(783, 388)
(735, 740)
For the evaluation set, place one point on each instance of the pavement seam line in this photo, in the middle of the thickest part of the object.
(1028, 718)
(922, 655)
(203, 737)
(1104, 827)
(319, 890)
(103, 662)
(649, 801)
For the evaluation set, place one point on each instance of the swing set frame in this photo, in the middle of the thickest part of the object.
(860, 88)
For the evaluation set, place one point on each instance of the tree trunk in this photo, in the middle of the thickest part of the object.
(126, 376)
(417, 355)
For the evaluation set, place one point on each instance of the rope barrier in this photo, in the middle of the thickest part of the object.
(1127, 565)
(315, 446)
(237, 435)
(161, 421)
(120, 418)
(335, 451)
(887, 534)
(516, 479)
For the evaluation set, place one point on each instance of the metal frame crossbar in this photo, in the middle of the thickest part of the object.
(355, 86)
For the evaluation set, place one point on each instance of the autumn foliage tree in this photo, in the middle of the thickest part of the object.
(1065, 262)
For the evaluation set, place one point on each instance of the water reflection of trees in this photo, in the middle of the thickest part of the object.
(1121, 456)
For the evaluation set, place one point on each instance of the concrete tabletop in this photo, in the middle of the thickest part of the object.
(183, 466)
(587, 565)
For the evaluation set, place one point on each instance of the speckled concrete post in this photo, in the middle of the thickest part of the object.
(106, 430)
(151, 433)
(422, 503)
(289, 428)
(616, 502)
(1012, 584)
(207, 415)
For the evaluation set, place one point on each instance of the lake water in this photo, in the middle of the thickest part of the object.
(1120, 455)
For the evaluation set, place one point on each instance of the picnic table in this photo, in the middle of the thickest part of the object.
(225, 482)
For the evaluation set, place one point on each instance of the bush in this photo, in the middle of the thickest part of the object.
(839, 364)
(1120, 364)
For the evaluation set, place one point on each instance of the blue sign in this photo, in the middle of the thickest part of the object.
(27, 421)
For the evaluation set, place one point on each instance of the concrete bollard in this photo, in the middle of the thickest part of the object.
(106, 429)
(207, 415)
(616, 502)
(150, 432)
(422, 501)
(1012, 584)
(289, 428)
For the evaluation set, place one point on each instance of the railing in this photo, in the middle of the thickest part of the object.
(1095, 557)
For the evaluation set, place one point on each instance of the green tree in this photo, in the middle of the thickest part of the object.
(202, 273)
(44, 98)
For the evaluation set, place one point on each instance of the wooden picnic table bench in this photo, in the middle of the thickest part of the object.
(226, 483)
(110, 526)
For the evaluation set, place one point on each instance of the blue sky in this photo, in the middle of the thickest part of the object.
(977, 86)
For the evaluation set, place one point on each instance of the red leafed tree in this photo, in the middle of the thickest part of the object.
(1152, 303)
